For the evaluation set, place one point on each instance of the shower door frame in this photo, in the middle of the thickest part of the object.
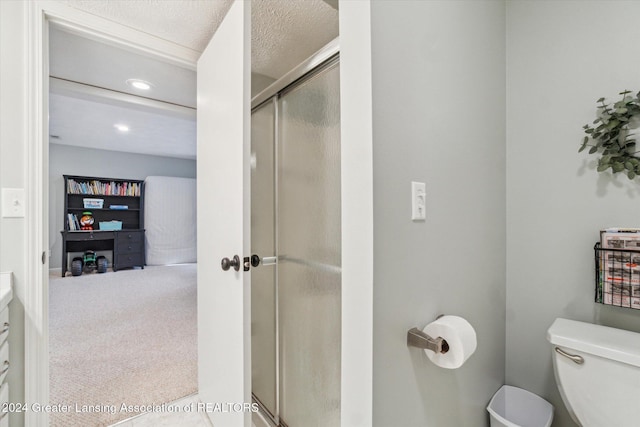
(305, 68)
(324, 59)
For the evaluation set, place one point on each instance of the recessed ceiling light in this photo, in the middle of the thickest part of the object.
(121, 128)
(139, 84)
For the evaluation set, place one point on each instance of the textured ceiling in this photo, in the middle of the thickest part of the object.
(189, 23)
(284, 32)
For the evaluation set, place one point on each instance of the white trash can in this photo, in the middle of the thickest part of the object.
(515, 407)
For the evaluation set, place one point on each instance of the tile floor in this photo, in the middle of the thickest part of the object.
(170, 419)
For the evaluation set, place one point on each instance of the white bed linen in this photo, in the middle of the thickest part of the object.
(170, 220)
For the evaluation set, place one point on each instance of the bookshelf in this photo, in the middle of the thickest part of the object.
(113, 192)
(121, 201)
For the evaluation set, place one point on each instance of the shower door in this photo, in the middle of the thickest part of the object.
(296, 303)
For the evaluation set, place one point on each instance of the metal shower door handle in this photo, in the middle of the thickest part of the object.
(268, 260)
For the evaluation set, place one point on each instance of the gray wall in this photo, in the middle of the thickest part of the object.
(439, 117)
(67, 160)
(562, 56)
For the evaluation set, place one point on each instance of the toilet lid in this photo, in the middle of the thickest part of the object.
(610, 343)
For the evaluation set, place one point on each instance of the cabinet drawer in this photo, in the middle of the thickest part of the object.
(4, 324)
(129, 260)
(132, 236)
(83, 236)
(126, 247)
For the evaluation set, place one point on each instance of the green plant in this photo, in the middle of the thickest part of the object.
(611, 136)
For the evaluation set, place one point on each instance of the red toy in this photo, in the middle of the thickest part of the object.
(86, 221)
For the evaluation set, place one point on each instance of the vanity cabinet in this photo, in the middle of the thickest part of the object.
(6, 294)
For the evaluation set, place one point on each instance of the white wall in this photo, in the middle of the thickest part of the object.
(561, 57)
(12, 158)
(68, 160)
(439, 117)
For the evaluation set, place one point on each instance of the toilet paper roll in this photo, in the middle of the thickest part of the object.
(460, 336)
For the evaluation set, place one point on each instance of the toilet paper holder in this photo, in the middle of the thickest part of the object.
(417, 338)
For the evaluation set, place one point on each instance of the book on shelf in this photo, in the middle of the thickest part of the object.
(104, 188)
(72, 222)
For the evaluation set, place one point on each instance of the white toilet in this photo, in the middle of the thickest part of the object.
(597, 370)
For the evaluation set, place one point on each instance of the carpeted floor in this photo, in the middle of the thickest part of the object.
(119, 338)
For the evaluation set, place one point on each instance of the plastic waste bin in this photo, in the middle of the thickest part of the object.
(515, 407)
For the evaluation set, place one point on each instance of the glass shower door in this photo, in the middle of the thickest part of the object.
(309, 250)
(263, 279)
(295, 215)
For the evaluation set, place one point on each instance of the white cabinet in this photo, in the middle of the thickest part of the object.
(4, 399)
(6, 293)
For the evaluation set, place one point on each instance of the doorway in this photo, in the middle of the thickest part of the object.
(106, 349)
(356, 200)
(296, 233)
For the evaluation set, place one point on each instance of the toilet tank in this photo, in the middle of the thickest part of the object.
(604, 390)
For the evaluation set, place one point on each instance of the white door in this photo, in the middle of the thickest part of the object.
(224, 306)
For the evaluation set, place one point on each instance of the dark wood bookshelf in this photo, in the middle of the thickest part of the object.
(127, 244)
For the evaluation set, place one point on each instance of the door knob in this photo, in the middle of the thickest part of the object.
(227, 263)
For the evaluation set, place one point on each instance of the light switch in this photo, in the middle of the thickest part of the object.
(418, 201)
(13, 203)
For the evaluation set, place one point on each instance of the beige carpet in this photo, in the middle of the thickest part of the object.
(121, 338)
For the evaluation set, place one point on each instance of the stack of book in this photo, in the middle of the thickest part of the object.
(73, 223)
(103, 188)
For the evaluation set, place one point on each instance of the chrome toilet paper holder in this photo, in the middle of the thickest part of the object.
(417, 338)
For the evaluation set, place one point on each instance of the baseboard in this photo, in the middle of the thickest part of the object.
(55, 270)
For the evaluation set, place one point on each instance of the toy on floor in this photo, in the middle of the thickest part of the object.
(89, 262)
